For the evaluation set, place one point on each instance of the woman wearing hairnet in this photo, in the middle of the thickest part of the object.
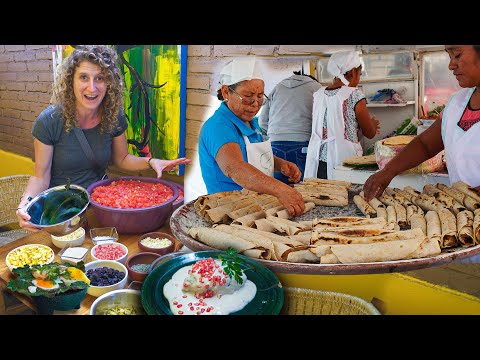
(233, 154)
(340, 116)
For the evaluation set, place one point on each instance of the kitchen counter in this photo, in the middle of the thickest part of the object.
(417, 181)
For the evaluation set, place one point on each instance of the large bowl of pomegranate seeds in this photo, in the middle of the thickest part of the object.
(132, 204)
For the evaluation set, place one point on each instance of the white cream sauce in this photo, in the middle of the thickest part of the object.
(227, 298)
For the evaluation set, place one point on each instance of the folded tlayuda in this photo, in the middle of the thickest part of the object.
(476, 226)
(363, 236)
(466, 189)
(417, 221)
(414, 247)
(449, 228)
(222, 241)
(348, 221)
(465, 228)
(434, 229)
(364, 206)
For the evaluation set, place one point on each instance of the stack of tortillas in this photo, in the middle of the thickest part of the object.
(400, 140)
(360, 161)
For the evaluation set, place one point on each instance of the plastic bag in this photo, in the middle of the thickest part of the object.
(384, 153)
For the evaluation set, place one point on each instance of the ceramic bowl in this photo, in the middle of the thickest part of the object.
(75, 238)
(143, 246)
(181, 196)
(109, 244)
(69, 300)
(268, 299)
(140, 258)
(100, 290)
(25, 255)
(131, 221)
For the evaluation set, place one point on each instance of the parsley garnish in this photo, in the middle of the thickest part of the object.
(231, 263)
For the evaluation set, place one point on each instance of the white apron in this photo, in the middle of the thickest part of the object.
(260, 155)
(338, 148)
(462, 148)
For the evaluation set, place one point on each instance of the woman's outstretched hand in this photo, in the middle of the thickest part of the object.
(376, 184)
(160, 165)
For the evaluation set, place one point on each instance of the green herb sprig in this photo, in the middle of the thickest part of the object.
(231, 263)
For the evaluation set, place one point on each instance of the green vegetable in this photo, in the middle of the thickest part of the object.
(53, 272)
(231, 263)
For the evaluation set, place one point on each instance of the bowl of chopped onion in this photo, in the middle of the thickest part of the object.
(157, 242)
(132, 204)
(75, 238)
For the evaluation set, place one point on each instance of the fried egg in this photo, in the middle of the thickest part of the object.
(75, 275)
(46, 285)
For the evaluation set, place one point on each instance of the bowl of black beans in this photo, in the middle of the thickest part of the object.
(105, 276)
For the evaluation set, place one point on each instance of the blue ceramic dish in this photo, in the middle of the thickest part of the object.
(268, 300)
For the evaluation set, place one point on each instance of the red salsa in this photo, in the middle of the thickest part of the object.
(131, 194)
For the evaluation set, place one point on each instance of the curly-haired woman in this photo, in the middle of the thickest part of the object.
(87, 98)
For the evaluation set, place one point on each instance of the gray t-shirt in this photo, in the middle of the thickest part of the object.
(69, 159)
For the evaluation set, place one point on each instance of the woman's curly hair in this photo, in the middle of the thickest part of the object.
(63, 95)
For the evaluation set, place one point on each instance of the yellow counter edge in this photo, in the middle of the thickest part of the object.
(399, 294)
(13, 164)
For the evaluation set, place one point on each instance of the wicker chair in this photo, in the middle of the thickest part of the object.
(11, 189)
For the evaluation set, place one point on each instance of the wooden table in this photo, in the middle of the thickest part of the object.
(42, 237)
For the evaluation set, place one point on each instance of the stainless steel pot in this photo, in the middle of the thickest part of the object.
(35, 208)
(122, 298)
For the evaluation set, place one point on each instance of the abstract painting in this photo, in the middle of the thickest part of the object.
(155, 97)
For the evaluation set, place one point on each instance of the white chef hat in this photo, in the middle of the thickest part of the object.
(342, 62)
(240, 69)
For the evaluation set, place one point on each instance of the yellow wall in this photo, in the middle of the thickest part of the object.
(13, 164)
(400, 294)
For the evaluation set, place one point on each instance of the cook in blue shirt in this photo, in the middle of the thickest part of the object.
(233, 154)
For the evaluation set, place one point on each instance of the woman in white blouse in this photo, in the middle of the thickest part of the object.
(340, 117)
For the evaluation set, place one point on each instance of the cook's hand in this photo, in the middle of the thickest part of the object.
(292, 200)
(23, 219)
(166, 165)
(376, 184)
(291, 170)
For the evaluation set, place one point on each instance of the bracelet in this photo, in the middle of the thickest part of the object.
(148, 162)
(28, 198)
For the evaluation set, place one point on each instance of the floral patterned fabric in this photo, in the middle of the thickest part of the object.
(351, 124)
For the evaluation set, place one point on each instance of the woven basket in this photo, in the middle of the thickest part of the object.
(11, 189)
(317, 302)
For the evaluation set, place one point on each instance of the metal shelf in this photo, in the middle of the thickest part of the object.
(390, 105)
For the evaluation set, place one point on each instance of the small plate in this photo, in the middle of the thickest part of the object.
(268, 299)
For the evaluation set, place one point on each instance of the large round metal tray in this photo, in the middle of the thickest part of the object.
(186, 217)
